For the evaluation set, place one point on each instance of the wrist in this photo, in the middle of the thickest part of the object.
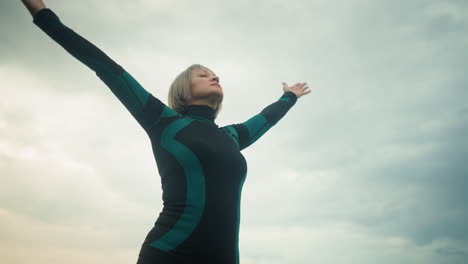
(35, 10)
(33, 6)
(289, 96)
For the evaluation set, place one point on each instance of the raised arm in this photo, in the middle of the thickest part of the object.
(246, 133)
(144, 107)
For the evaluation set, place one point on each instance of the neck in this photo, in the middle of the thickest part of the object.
(200, 111)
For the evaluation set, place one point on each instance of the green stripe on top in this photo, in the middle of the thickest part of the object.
(136, 88)
(124, 86)
(195, 196)
(167, 112)
(257, 126)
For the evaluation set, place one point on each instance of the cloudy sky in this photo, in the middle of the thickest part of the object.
(368, 167)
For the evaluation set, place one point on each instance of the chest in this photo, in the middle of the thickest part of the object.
(208, 142)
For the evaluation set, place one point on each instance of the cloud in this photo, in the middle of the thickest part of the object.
(340, 242)
(368, 167)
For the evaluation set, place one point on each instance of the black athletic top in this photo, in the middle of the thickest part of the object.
(201, 167)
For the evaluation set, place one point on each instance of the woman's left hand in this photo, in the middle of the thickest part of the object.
(299, 89)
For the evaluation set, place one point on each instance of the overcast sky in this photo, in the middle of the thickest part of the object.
(370, 167)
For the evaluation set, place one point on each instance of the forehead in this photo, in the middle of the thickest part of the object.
(203, 70)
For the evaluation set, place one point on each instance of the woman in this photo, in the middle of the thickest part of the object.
(201, 167)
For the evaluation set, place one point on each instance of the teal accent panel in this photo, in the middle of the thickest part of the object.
(195, 201)
(285, 98)
(238, 216)
(167, 112)
(124, 86)
(138, 90)
(257, 126)
(233, 131)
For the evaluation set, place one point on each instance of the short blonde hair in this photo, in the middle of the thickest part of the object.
(179, 92)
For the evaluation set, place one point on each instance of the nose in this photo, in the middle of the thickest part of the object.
(215, 78)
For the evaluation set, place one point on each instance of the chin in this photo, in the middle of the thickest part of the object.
(216, 98)
(218, 92)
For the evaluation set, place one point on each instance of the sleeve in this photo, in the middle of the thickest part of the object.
(246, 133)
(143, 106)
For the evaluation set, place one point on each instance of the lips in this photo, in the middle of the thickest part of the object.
(216, 84)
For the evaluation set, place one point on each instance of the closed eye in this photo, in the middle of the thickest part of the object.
(206, 75)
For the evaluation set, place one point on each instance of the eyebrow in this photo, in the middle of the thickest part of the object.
(207, 72)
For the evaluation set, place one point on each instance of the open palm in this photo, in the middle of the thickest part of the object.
(299, 89)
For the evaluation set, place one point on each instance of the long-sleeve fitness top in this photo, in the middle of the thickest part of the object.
(200, 164)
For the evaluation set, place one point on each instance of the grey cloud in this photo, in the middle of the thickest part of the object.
(379, 143)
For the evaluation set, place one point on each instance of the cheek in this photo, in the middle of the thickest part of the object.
(199, 85)
(193, 85)
(196, 87)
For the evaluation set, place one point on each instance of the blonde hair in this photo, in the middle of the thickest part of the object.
(179, 92)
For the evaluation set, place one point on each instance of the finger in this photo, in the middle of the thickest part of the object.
(300, 85)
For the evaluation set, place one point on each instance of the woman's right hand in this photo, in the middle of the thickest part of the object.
(34, 6)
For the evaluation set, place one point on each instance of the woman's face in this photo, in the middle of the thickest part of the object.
(205, 87)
